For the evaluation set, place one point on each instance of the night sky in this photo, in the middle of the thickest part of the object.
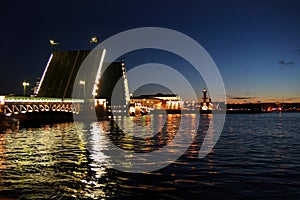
(255, 44)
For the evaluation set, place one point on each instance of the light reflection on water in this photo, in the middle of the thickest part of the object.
(257, 156)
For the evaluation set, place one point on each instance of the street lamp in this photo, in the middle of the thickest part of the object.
(25, 84)
(83, 83)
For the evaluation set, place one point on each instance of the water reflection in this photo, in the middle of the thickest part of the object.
(253, 158)
(143, 134)
(2, 156)
(50, 162)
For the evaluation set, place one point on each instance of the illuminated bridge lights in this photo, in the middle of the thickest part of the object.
(40, 100)
(44, 73)
(2, 100)
(21, 105)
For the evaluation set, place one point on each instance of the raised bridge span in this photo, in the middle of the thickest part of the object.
(54, 92)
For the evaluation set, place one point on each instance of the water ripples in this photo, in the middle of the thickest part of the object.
(256, 157)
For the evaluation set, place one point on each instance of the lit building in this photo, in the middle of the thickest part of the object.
(158, 101)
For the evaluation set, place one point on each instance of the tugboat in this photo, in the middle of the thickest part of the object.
(8, 123)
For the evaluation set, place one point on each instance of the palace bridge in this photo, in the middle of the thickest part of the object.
(55, 88)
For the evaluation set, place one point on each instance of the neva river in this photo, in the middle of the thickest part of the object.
(256, 157)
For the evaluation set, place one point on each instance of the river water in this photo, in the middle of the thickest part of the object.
(256, 157)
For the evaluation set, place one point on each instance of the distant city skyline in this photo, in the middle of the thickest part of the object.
(255, 44)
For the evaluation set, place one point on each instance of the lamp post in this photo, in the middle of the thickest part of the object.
(83, 83)
(25, 84)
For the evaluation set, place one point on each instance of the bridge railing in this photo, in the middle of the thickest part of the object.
(40, 100)
(20, 105)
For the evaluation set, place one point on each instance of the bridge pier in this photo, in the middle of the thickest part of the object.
(38, 118)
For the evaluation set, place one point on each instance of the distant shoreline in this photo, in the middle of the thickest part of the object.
(216, 112)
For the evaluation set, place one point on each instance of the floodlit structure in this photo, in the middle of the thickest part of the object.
(158, 101)
(206, 104)
(55, 88)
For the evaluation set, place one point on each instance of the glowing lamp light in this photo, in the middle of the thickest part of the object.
(2, 100)
(94, 40)
(25, 84)
(83, 83)
(52, 42)
(204, 108)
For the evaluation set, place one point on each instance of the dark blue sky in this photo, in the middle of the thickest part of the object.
(255, 44)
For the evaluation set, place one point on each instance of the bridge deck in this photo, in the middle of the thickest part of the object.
(16, 99)
(20, 105)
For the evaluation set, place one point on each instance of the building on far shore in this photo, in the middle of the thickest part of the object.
(170, 102)
(158, 101)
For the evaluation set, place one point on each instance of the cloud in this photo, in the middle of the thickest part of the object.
(248, 68)
(240, 97)
(280, 99)
(284, 63)
(292, 98)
